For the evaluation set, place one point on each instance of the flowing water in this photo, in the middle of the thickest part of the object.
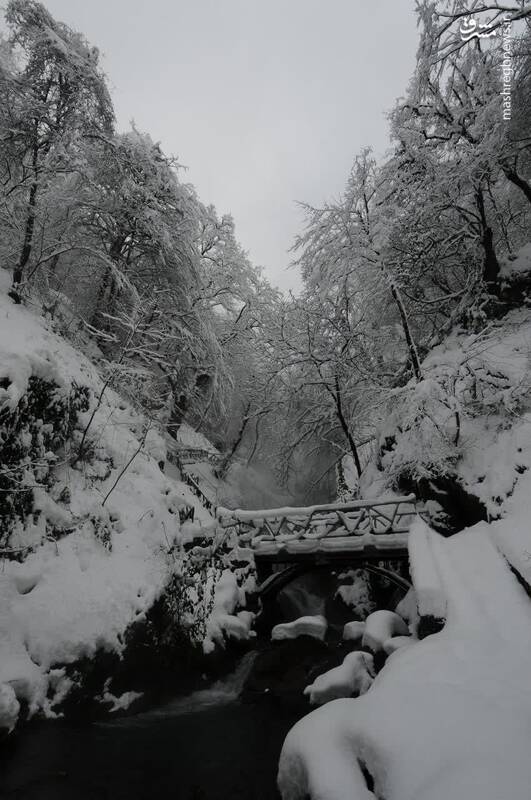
(207, 746)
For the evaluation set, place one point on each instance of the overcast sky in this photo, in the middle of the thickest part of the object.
(265, 101)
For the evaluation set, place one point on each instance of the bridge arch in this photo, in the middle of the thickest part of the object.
(275, 582)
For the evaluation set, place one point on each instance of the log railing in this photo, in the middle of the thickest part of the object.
(357, 518)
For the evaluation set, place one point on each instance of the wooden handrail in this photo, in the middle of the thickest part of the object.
(282, 525)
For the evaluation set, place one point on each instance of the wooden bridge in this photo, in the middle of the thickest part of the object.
(363, 531)
(289, 542)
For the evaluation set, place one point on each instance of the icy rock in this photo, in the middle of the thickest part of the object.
(354, 676)
(315, 626)
(9, 708)
(353, 631)
(380, 626)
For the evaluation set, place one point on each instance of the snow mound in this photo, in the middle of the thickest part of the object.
(353, 631)
(380, 626)
(315, 626)
(353, 677)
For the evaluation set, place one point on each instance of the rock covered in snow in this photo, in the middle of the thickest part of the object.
(353, 677)
(315, 626)
(353, 631)
(380, 626)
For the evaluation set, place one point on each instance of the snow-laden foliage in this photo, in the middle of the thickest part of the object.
(33, 436)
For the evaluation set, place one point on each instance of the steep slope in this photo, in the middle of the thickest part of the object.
(97, 539)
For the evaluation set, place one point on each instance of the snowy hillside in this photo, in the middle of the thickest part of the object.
(100, 538)
(461, 436)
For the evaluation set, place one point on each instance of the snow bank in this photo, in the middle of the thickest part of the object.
(449, 717)
(315, 626)
(380, 626)
(424, 568)
(353, 677)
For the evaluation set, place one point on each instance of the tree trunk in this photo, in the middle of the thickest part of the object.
(107, 290)
(25, 253)
(491, 266)
(413, 353)
(236, 443)
(345, 428)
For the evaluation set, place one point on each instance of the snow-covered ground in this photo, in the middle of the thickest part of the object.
(115, 516)
(448, 717)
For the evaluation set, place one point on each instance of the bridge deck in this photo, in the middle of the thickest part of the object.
(330, 545)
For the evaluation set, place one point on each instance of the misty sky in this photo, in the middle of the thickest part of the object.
(265, 101)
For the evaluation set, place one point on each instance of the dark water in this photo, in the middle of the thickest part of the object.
(207, 747)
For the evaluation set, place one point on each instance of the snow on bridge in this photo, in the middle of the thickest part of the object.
(376, 527)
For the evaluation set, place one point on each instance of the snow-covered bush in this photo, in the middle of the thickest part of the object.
(34, 430)
(421, 436)
(381, 626)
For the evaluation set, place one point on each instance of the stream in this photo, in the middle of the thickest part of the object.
(206, 746)
(209, 745)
